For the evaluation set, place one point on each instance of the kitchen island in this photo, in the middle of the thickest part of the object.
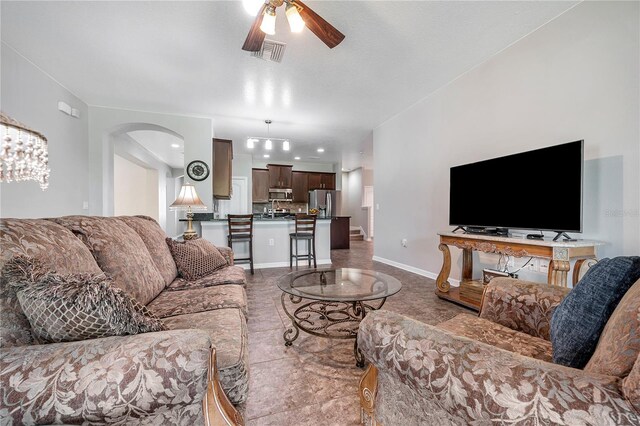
(271, 241)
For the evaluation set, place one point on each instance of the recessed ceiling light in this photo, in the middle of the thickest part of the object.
(268, 144)
(286, 146)
(296, 158)
(320, 149)
(266, 156)
(175, 145)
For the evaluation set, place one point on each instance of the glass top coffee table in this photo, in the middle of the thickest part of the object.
(333, 302)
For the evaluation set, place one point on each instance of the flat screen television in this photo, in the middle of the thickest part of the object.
(538, 190)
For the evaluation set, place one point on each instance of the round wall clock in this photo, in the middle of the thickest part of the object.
(198, 170)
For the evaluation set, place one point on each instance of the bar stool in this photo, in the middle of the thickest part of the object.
(241, 231)
(306, 231)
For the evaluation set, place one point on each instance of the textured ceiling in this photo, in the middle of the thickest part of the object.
(185, 58)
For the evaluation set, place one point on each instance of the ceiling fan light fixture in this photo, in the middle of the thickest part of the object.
(295, 20)
(268, 144)
(286, 146)
(268, 25)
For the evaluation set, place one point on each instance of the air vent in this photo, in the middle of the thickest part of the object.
(271, 50)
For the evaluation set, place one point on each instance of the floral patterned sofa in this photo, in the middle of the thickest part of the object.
(166, 377)
(496, 368)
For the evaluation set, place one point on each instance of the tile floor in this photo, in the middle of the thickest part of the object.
(315, 381)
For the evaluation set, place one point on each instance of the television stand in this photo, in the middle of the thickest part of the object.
(469, 294)
(459, 227)
(566, 236)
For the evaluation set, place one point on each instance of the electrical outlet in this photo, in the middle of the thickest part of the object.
(272, 242)
(511, 263)
(531, 266)
(543, 265)
(377, 206)
(404, 242)
(85, 205)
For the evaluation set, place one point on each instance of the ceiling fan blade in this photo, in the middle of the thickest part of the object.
(321, 28)
(254, 40)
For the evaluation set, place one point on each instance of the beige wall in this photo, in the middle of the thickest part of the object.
(135, 189)
(30, 96)
(575, 78)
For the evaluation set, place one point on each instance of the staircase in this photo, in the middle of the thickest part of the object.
(355, 235)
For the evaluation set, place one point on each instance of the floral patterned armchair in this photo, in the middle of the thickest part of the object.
(496, 368)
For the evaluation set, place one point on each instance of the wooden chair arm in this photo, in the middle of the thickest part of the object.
(216, 407)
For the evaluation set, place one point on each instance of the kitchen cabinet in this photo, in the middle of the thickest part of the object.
(279, 176)
(260, 185)
(328, 180)
(300, 186)
(315, 181)
(340, 232)
(222, 168)
(322, 181)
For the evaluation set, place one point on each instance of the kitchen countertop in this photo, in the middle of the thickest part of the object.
(261, 219)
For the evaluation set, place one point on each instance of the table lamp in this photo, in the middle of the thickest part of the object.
(188, 200)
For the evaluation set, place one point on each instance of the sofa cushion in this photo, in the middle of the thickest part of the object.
(228, 275)
(497, 335)
(53, 244)
(196, 258)
(171, 303)
(578, 321)
(120, 253)
(228, 331)
(619, 343)
(153, 238)
(631, 385)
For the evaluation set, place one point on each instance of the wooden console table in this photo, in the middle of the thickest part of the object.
(469, 294)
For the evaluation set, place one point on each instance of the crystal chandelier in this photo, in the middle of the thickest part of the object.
(24, 154)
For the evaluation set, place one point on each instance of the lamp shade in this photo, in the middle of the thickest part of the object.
(295, 20)
(268, 25)
(188, 198)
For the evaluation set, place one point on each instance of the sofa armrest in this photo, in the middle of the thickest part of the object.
(108, 380)
(521, 305)
(227, 253)
(474, 383)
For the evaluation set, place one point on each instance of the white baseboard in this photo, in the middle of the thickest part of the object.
(413, 269)
(282, 264)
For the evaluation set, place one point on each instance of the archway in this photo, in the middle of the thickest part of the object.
(149, 172)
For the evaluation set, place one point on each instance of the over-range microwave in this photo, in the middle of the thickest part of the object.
(280, 194)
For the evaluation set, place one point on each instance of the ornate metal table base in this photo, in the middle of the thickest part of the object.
(334, 320)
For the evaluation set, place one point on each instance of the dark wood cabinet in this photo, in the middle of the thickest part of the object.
(315, 181)
(222, 168)
(340, 232)
(328, 180)
(260, 185)
(300, 186)
(322, 181)
(279, 176)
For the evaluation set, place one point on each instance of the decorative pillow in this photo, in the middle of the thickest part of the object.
(578, 321)
(64, 308)
(619, 344)
(196, 258)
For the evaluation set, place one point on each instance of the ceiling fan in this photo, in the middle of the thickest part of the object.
(299, 15)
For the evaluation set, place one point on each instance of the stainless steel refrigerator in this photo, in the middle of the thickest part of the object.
(323, 200)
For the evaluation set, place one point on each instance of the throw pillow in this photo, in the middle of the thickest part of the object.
(578, 321)
(64, 308)
(196, 258)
